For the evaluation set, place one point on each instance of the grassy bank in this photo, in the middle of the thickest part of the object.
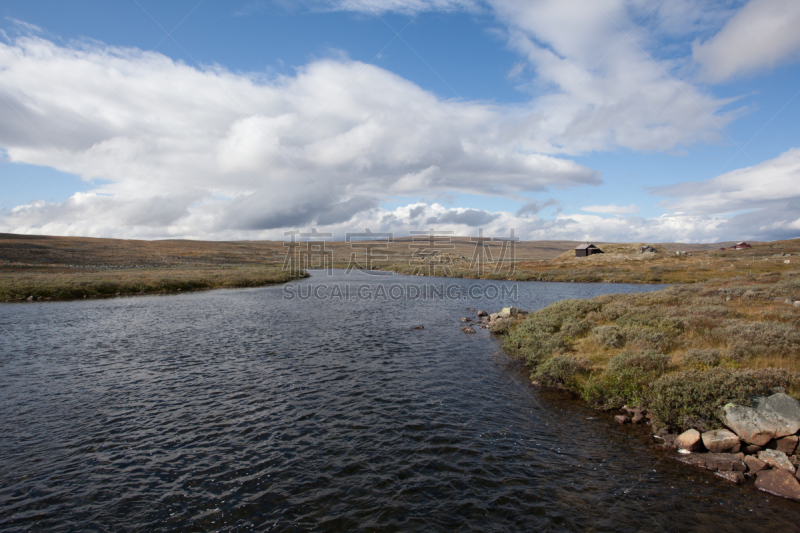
(682, 352)
(54, 283)
(623, 263)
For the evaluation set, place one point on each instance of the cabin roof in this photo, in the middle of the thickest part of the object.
(585, 246)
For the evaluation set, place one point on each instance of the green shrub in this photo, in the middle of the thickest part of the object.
(548, 330)
(649, 339)
(560, 371)
(646, 361)
(694, 398)
(702, 359)
(612, 390)
(772, 336)
(608, 337)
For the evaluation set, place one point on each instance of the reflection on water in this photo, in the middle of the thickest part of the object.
(245, 409)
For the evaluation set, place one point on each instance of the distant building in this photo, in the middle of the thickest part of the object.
(740, 246)
(587, 249)
(722, 249)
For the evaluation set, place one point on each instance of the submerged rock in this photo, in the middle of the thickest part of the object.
(734, 477)
(780, 483)
(720, 440)
(621, 419)
(482, 313)
(467, 329)
(716, 462)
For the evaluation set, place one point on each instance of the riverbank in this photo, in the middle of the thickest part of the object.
(673, 358)
(27, 284)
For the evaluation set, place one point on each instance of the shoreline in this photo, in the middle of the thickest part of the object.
(37, 285)
(687, 372)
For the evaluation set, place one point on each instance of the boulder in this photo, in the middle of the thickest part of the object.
(786, 445)
(751, 449)
(749, 424)
(689, 440)
(777, 459)
(716, 462)
(783, 410)
(467, 329)
(797, 303)
(734, 477)
(621, 419)
(494, 316)
(638, 417)
(464, 319)
(509, 312)
(482, 313)
(720, 440)
(754, 465)
(780, 483)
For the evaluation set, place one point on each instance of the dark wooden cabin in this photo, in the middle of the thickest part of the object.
(587, 249)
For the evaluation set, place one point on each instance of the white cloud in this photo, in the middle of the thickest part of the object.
(756, 187)
(330, 141)
(762, 34)
(611, 209)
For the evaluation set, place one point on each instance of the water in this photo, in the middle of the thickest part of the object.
(240, 410)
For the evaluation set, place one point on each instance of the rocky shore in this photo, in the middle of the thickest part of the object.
(756, 443)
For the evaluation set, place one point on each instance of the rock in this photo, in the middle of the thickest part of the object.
(781, 409)
(780, 483)
(749, 424)
(669, 439)
(418, 327)
(485, 319)
(720, 440)
(464, 319)
(467, 329)
(482, 314)
(638, 418)
(689, 440)
(728, 298)
(786, 445)
(29, 298)
(509, 312)
(737, 448)
(494, 316)
(722, 462)
(754, 465)
(734, 477)
(777, 459)
(621, 419)
(797, 303)
(751, 448)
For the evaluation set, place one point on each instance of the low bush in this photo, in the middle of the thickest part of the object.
(612, 390)
(646, 361)
(649, 339)
(560, 371)
(703, 359)
(694, 398)
(608, 337)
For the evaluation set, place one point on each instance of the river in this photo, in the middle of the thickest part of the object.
(317, 406)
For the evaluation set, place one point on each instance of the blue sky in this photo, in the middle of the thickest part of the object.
(627, 120)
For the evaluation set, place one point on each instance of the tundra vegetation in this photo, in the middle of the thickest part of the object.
(681, 353)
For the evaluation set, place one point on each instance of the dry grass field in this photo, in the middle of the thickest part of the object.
(73, 267)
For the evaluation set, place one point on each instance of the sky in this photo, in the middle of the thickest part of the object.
(611, 120)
